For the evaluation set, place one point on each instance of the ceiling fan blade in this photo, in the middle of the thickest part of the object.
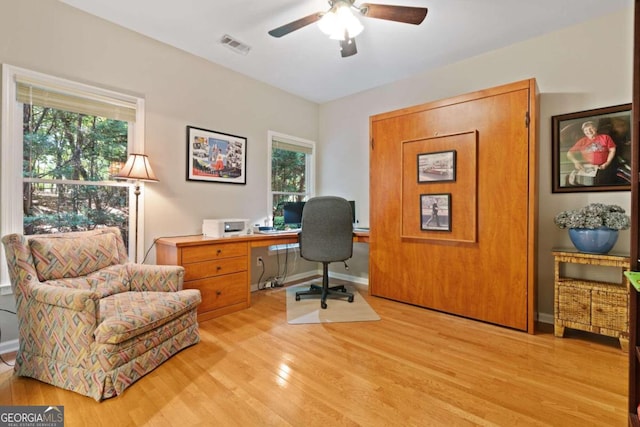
(295, 25)
(405, 14)
(348, 47)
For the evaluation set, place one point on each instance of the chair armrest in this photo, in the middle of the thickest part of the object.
(74, 299)
(70, 317)
(156, 278)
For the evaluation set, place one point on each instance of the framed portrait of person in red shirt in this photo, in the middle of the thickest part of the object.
(591, 150)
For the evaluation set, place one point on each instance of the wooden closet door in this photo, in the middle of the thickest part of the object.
(483, 268)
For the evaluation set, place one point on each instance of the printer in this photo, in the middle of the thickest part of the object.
(225, 227)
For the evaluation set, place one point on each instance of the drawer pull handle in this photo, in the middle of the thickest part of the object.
(218, 293)
(218, 268)
(219, 251)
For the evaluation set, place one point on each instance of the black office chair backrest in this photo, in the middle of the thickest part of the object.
(326, 234)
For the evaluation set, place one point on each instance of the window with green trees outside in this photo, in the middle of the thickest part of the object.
(69, 159)
(292, 174)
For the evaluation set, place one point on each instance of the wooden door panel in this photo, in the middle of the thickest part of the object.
(486, 279)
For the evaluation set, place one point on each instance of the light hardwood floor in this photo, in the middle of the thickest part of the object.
(415, 367)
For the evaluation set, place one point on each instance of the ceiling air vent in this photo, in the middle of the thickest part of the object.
(235, 45)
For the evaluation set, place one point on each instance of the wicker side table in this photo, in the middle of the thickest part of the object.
(589, 305)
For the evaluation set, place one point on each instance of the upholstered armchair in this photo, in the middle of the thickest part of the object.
(89, 321)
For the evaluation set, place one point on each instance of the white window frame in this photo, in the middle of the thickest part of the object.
(11, 215)
(310, 166)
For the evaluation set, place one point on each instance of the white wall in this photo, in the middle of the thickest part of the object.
(180, 89)
(578, 68)
(583, 67)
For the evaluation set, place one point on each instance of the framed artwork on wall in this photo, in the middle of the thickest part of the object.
(437, 167)
(216, 157)
(435, 212)
(591, 150)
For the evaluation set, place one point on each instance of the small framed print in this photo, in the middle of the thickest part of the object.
(216, 156)
(435, 212)
(437, 167)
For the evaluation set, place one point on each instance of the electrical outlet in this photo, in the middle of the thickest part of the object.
(259, 261)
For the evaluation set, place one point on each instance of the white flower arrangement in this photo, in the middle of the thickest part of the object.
(594, 215)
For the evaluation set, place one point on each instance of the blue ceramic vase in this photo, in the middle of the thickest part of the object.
(593, 240)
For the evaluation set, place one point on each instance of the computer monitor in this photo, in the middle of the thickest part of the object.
(293, 213)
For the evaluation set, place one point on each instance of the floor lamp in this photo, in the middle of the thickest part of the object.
(137, 169)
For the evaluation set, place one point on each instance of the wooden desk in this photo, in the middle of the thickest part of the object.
(221, 267)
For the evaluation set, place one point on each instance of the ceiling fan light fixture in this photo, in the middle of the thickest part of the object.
(340, 23)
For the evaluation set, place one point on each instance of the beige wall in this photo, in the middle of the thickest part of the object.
(578, 68)
(180, 89)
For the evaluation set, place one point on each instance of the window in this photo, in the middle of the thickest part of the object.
(291, 173)
(63, 142)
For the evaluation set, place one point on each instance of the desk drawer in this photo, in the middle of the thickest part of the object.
(219, 292)
(215, 251)
(217, 267)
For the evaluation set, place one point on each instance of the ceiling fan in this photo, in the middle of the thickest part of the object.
(339, 22)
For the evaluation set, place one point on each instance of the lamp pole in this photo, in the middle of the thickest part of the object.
(137, 168)
(137, 193)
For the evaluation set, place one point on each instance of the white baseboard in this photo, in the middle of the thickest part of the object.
(354, 279)
(310, 274)
(8, 346)
(545, 318)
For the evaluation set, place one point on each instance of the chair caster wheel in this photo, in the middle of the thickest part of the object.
(323, 305)
(297, 297)
(350, 299)
(343, 290)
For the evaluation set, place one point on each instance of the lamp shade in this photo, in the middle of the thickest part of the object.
(138, 168)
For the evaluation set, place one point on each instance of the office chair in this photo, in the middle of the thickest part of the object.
(326, 236)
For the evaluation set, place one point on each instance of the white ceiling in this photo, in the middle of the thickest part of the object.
(307, 63)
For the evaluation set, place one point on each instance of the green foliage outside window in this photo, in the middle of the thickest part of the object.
(60, 145)
(288, 181)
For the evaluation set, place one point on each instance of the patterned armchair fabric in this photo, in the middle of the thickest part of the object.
(88, 320)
